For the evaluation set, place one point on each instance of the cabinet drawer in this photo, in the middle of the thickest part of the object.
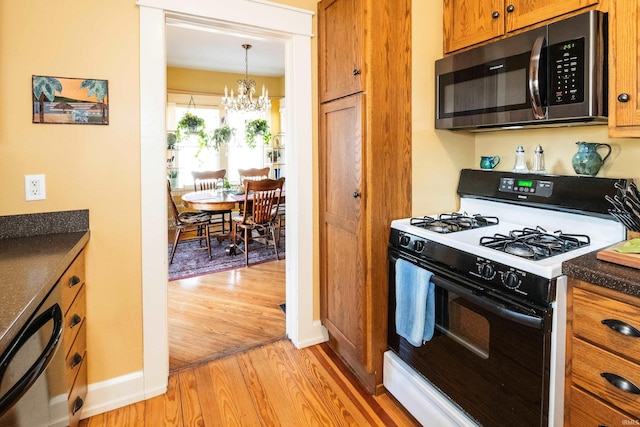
(586, 410)
(76, 356)
(78, 395)
(74, 319)
(71, 281)
(590, 309)
(589, 362)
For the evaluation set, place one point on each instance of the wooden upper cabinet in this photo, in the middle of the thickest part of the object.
(523, 13)
(624, 63)
(470, 22)
(341, 42)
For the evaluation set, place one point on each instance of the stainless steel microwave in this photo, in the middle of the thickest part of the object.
(555, 75)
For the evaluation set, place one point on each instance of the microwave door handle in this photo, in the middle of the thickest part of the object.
(534, 79)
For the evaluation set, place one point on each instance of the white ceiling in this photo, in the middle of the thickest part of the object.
(203, 47)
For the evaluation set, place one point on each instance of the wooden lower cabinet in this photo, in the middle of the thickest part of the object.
(603, 357)
(74, 336)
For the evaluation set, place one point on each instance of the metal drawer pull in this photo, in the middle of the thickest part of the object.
(621, 383)
(77, 359)
(74, 281)
(77, 405)
(75, 320)
(622, 327)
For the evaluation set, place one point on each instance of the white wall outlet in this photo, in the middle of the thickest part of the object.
(34, 187)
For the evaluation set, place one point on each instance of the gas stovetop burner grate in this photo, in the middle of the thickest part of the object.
(535, 244)
(452, 222)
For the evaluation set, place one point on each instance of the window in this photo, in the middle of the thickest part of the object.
(239, 156)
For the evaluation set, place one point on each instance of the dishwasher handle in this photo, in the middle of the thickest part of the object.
(54, 313)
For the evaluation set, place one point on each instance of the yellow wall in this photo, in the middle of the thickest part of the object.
(86, 166)
(184, 80)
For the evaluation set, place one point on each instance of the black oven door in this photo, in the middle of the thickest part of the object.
(489, 357)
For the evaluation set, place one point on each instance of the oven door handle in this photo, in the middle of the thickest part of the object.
(531, 321)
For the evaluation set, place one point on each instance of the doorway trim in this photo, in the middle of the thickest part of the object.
(294, 27)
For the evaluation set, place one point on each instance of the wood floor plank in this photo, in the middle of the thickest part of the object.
(224, 396)
(268, 397)
(165, 410)
(329, 391)
(129, 416)
(189, 399)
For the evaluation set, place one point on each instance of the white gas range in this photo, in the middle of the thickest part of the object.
(496, 266)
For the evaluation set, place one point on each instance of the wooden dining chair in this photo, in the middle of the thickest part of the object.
(259, 215)
(210, 180)
(188, 222)
(253, 174)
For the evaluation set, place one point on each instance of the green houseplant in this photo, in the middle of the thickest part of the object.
(190, 124)
(216, 139)
(255, 128)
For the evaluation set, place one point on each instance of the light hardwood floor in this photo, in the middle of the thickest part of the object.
(272, 385)
(224, 313)
(232, 366)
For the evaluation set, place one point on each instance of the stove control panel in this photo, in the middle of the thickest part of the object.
(532, 187)
(504, 277)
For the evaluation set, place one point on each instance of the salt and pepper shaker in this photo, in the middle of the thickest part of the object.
(521, 164)
(538, 160)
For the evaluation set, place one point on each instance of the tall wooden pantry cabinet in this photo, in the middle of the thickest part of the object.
(364, 49)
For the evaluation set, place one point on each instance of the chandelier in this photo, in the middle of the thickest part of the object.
(246, 89)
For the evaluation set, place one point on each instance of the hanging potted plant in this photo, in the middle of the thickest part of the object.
(216, 139)
(190, 124)
(255, 128)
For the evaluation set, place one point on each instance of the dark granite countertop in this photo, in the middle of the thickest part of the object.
(608, 275)
(35, 250)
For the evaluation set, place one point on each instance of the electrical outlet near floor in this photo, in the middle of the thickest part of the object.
(34, 187)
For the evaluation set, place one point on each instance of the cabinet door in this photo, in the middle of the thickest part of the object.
(467, 22)
(522, 13)
(341, 252)
(341, 47)
(624, 62)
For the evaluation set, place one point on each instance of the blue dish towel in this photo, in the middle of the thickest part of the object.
(415, 303)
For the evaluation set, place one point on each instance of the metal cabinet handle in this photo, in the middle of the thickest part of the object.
(356, 72)
(622, 327)
(495, 15)
(356, 194)
(75, 320)
(621, 383)
(77, 405)
(76, 360)
(74, 281)
(623, 97)
(510, 8)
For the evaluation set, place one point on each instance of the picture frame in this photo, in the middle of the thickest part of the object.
(68, 100)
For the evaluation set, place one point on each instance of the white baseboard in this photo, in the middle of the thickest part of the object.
(114, 393)
(318, 335)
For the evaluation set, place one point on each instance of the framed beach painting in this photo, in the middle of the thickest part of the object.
(65, 100)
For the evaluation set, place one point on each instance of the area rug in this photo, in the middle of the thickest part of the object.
(188, 262)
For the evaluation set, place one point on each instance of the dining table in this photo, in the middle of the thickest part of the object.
(218, 200)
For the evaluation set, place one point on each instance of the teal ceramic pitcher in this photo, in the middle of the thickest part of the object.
(587, 161)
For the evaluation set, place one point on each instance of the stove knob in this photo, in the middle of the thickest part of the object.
(510, 280)
(405, 240)
(418, 245)
(486, 270)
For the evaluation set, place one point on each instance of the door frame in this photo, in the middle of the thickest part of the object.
(294, 27)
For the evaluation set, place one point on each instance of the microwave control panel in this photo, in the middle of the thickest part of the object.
(567, 72)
